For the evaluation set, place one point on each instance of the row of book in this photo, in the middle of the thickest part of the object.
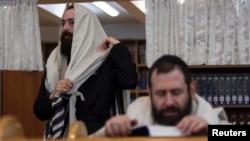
(142, 54)
(224, 88)
(139, 52)
(239, 116)
(216, 88)
(132, 49)
(143, 79)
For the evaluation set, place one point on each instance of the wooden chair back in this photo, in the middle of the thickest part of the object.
(77, 130)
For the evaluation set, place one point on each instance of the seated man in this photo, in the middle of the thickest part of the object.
(172, 101)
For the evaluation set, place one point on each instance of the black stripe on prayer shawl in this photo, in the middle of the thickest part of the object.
(118, 103)
(62, 104)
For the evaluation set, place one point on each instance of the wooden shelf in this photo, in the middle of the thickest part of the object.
(232, 106)
(133, 91)
(142, 91)
(219, 66)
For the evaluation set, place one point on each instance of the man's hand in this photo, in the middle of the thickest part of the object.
(119, 126)
(193, 125)
(62, 86)
(108, 41)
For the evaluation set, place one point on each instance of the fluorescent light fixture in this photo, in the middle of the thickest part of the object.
(56, 9)
(140, 4)
(106, 8)
(181, 2)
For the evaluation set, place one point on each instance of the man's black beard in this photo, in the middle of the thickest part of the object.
(161, 119)
(66, 43)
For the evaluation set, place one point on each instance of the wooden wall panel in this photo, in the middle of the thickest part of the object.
(20, 89)
(1, 91)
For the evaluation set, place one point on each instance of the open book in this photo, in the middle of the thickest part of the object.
(156, 131)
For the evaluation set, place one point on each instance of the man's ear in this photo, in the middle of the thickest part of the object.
(193, 87)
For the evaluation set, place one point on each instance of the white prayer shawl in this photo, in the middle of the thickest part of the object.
(200, 107)
(141, 110)
(86, 55)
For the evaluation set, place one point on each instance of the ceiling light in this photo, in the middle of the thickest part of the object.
(106, 8)
(181, 1)
(140, 4)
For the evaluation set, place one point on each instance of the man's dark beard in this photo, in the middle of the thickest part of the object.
(66, 43)
(161, 119)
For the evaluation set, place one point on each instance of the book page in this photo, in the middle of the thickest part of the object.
(164, 131)
(157, 131)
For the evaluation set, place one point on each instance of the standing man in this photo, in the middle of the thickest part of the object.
(172, 101)
(82, 75)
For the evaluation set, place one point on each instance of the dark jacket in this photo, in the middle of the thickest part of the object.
(117, 72)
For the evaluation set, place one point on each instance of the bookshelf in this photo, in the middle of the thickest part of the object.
(137, 48)
(227, 86)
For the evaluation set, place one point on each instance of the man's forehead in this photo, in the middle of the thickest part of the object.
(175, 73)
(68, 14)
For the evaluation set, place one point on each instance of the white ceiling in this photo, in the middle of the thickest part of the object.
(129, 13)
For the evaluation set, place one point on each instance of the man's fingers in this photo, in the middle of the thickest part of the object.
(192, 125)
(134, 122)
(108, 130)
(119, 126)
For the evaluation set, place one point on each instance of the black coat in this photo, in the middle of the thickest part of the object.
(117, 72)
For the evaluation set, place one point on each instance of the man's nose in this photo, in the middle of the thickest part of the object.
(169, 100)
(66, 27)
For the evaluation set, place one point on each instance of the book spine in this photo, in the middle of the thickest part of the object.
(227, 89)
(233, 88)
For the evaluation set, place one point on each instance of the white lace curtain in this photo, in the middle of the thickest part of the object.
(207, 32)
(20, 42)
